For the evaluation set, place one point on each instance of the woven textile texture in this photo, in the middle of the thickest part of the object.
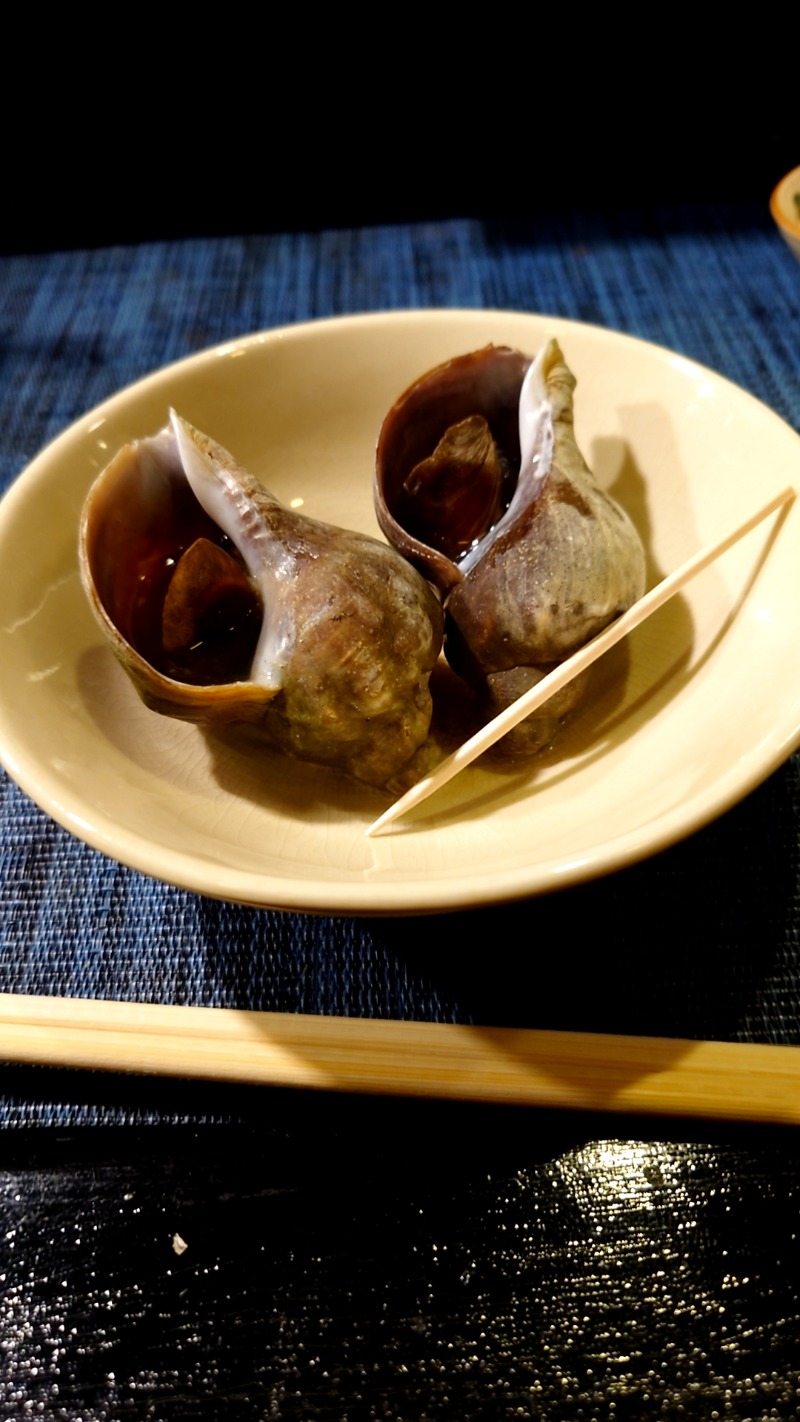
(714, 284)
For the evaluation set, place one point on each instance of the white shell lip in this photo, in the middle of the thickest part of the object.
(212, 479)
(536, 442)
(670, 756)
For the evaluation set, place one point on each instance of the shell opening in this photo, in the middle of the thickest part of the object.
(168, 579)
(235, 503)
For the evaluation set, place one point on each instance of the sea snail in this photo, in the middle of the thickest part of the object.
(227, 608)
(480, 483)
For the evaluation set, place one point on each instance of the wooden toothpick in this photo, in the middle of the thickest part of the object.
(572, 667)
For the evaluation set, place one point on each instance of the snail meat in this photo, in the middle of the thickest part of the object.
(226, 608)
(481, 485)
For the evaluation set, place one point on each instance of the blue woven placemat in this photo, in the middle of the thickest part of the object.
(701, 941)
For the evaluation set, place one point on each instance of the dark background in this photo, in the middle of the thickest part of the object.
(226, 130)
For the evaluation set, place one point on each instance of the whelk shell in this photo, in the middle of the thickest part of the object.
(226, 608)
(481, 484)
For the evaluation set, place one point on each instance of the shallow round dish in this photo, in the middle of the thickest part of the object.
(785, 208)
(703, 703)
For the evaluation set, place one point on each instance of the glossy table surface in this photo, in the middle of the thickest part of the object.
(356, 1258)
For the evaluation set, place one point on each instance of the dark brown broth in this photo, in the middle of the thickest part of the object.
(228, 628)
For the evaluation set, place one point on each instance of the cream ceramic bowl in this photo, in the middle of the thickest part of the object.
(700, 707)
(785, 208)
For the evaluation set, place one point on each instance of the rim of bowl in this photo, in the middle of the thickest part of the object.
(779, 212)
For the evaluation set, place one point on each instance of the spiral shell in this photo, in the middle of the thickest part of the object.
(480, 483)
(225, 608)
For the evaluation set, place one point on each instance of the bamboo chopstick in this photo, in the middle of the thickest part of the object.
(569, 669)
(573, 1070)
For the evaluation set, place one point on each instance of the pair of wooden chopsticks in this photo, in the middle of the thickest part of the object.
(572, 667)
(517, 1066)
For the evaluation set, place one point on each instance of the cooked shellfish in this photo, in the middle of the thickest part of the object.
(481, 484)
(226, 608)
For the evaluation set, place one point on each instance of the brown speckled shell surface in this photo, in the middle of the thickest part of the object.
(566, 564)
(364, 629)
